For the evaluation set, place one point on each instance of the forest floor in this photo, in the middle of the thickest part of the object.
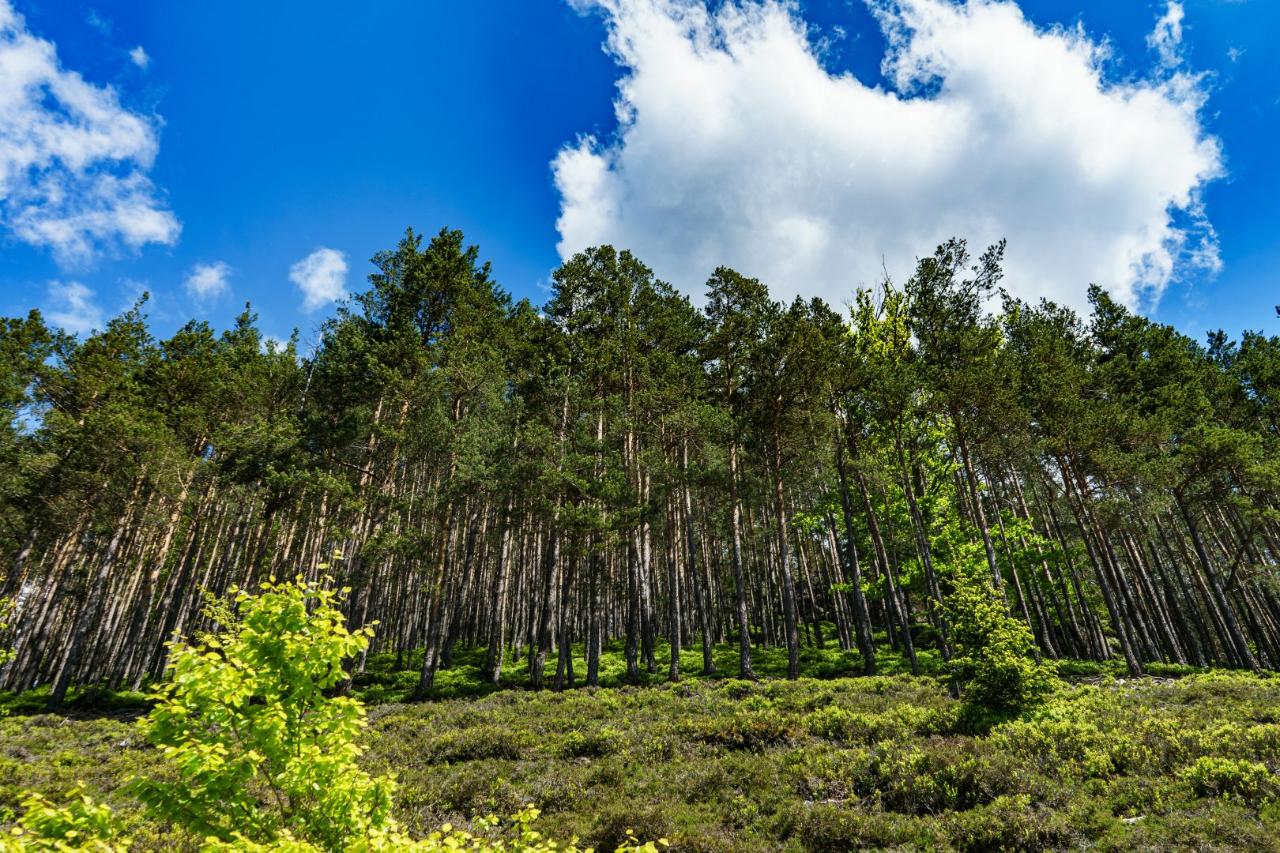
(1183, 760)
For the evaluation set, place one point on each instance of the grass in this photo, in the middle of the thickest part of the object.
(382, 682)
(829, 762)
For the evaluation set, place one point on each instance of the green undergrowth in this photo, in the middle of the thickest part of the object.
(831, 763)
(387, 679)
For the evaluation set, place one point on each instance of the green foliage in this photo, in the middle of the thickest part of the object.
(6, 611)
(992, 654)
(475, 744)
(259, 748)
(593, 743)
(844, 725)
(1251, 781)
(886, 762)
(265, 759)
(490, 836)
(80, 824)
(521, 838)
(748, 730)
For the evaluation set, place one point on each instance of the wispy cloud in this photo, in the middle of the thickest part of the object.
(321, 276)
(72, 306)
(74, 162)
(138, 56)
(98, 21)
(1166, 38)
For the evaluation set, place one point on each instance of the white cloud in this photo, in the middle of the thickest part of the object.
(1166, 38)
(139, 57)
(321, 277)
(737, 147)
(71, 305)
(207, 281)
(73, 160)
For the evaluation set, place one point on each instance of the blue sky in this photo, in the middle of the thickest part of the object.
(278, 129)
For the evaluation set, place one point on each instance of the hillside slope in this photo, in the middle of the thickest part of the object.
(881, 762)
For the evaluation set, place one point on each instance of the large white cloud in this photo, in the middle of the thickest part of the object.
(321, 277)
(73, 160)
(735, 146)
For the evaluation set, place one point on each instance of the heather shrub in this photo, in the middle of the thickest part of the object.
(1231, 778)
(752, 730)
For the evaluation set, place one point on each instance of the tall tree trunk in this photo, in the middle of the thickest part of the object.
(980, 514)
(1215, 584)
(861, 615)
(498, 599)
(1081, 508)
(735, 559)
(788, 581)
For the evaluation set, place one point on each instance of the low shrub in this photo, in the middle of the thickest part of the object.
(751, 731)
(475, 744)
(1008, 822)
(1249, 781)
(592, 743)
(826, 827)
(842, 725)
(908, 778)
